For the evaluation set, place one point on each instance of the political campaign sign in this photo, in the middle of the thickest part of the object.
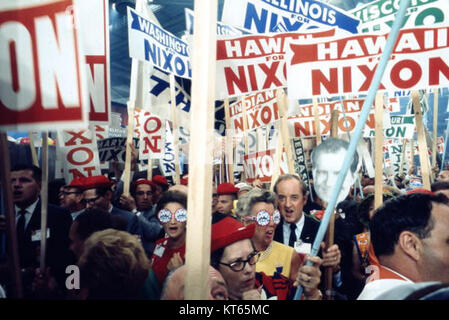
(402, 127)
(260, 165)
(222, 29)
(252, 63)
(110, 149)
(79, 153)
(152, 137)
(94, 29)
(379, 15)
(149, 42)
(42, 69)
(263, 16)
(347, 65)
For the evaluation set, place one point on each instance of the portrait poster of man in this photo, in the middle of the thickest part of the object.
(327, 161)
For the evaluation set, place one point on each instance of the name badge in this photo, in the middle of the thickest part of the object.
(303, 247)
(159, 251)
(36, 235)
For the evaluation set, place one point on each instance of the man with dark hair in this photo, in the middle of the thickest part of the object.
(26, 185)
(72, 197)
(440, 187)
(410, 238)
(327, 161)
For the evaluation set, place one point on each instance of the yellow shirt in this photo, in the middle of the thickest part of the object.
(276, 255)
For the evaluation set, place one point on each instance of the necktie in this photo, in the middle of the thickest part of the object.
(292, 239)
(20, 227)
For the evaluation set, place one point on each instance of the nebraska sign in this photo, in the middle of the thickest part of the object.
(41, 69)
(347, 65)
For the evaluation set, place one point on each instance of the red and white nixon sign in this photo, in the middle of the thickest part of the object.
(152, 137)
(247, 64)
(317, 67)
(41, 70)
(261, 109)
(260, 165)
(94, 29)
(79, 154)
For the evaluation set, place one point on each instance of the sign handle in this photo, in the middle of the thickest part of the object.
(282, 101)
(229, 133)
(33, 150)
(378, 155)
(44, 199)
(11, 233)
(200, 152)
(422, 143)
(174, 118)
(435, 130)
(317, 120)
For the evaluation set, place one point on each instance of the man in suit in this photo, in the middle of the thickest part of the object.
(26, 185)
(292, 195)
(98, 195)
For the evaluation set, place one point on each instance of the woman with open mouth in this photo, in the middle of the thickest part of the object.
(169, 251)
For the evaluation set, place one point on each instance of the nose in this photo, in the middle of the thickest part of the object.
(288, 202)
(89, 205)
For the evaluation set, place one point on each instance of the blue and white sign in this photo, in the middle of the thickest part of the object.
(264, 16)
(149, 42)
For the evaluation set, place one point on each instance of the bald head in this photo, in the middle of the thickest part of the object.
(174, 285)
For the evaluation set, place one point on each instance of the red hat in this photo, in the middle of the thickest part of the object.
(143, 181)
(97, 182)
(77, 183)
(160, 180)
(420, 190)
(229, 230)
(227, 188)
(184, 181)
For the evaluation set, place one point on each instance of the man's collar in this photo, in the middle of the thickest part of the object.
(29, 209)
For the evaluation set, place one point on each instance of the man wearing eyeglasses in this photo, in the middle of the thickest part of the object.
(234, 255)
(71, 197)
(98, 195)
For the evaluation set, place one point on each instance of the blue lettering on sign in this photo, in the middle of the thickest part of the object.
(182, 100)
(301, 11)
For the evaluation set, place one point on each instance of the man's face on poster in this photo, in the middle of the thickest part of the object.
(325, 173)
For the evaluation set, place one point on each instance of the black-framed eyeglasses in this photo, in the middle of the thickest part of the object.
(239, 264)
(91, 201)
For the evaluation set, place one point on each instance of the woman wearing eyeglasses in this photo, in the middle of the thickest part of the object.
(259, 206)
(169, 251)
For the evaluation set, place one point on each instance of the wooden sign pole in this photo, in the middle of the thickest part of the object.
(200, 159)
(229, 142)
(435, 131)
(317, 120)
(245, 125)
(277, 160)
(44, 199)
(150, 168)
(282, 101)
(422, 144)
(404, 148)
(129, 141)
(378, 155)
(174, 118)
(10, 219)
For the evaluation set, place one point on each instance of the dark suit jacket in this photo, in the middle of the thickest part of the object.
(58, 256)
(308, 233)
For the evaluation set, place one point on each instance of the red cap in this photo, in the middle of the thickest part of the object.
(160, 180)
(77, 183)
(420, 190)
(227, 188)
(143, 181)
(97, 182)
(184, 181)
(229, 230)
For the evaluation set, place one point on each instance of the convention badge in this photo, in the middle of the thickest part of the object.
(302, 247)
(36, 235)
(159, 251)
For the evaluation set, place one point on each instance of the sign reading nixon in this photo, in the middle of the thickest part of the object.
(263, 16)
(149, 42)
(42, 80)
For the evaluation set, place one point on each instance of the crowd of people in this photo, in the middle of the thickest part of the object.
(133, 246)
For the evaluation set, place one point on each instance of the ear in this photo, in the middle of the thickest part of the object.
(306, 197)
(410, 244)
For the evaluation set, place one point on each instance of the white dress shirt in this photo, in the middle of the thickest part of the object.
(29, 212)
(298, 230)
